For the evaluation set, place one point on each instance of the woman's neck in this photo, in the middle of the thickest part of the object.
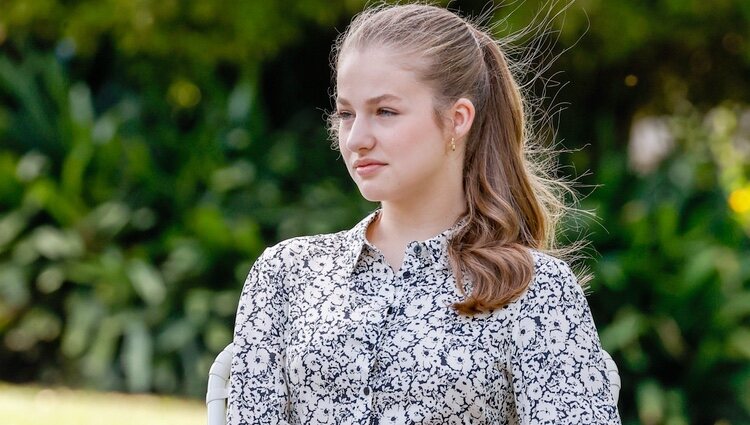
(415, 224)
(399, 223)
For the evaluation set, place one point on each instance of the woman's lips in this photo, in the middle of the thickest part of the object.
(367, 169)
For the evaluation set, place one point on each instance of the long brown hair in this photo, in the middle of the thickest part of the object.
(513, 200)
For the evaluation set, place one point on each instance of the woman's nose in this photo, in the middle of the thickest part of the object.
(360, 135)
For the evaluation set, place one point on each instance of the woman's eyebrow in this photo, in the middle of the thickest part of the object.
(372, 100)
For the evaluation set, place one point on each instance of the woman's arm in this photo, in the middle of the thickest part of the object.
(258, 392)
(558, 371)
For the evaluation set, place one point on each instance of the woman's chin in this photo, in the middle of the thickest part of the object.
(371, 197)
(373, 194)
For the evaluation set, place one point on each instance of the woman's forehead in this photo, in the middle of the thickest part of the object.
(400, 56)
(376, 72)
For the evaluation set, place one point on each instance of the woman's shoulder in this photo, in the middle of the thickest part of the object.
(290, 251)
(553, 277)
(547, 265)
(304, 243)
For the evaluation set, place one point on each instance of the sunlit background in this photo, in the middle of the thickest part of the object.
(149, 150)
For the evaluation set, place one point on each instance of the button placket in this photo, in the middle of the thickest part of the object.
(367, 394)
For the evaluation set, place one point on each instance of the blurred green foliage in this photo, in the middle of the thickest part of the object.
(134, 203)
(150, 150)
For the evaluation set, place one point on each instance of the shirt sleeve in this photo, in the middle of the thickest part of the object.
(559, 375)
(258, 391)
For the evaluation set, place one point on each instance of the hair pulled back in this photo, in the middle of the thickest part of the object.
(512, 203)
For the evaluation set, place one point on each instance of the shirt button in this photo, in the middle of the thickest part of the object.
(389, 311)
(366, 390)
(418, 249)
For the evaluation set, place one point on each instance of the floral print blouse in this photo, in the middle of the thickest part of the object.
(327, 333)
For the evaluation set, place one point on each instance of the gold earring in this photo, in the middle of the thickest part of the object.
(453, 144)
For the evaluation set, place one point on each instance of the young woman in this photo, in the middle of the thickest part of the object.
(441, 306)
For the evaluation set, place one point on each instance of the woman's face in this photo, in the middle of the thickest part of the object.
(387, 133)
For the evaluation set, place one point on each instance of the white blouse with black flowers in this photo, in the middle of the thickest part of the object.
(327, 333)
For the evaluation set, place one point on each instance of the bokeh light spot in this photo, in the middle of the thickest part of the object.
(739, 200)
(184, 94)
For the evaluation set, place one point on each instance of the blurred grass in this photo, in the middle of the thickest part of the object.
(30, 405)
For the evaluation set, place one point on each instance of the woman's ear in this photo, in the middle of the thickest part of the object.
(462, 117)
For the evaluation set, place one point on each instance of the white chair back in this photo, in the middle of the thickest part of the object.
(218, 387)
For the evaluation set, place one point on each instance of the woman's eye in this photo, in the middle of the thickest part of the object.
(343, 115)
(386, 112)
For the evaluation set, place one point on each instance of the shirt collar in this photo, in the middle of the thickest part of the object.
(355, 240)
